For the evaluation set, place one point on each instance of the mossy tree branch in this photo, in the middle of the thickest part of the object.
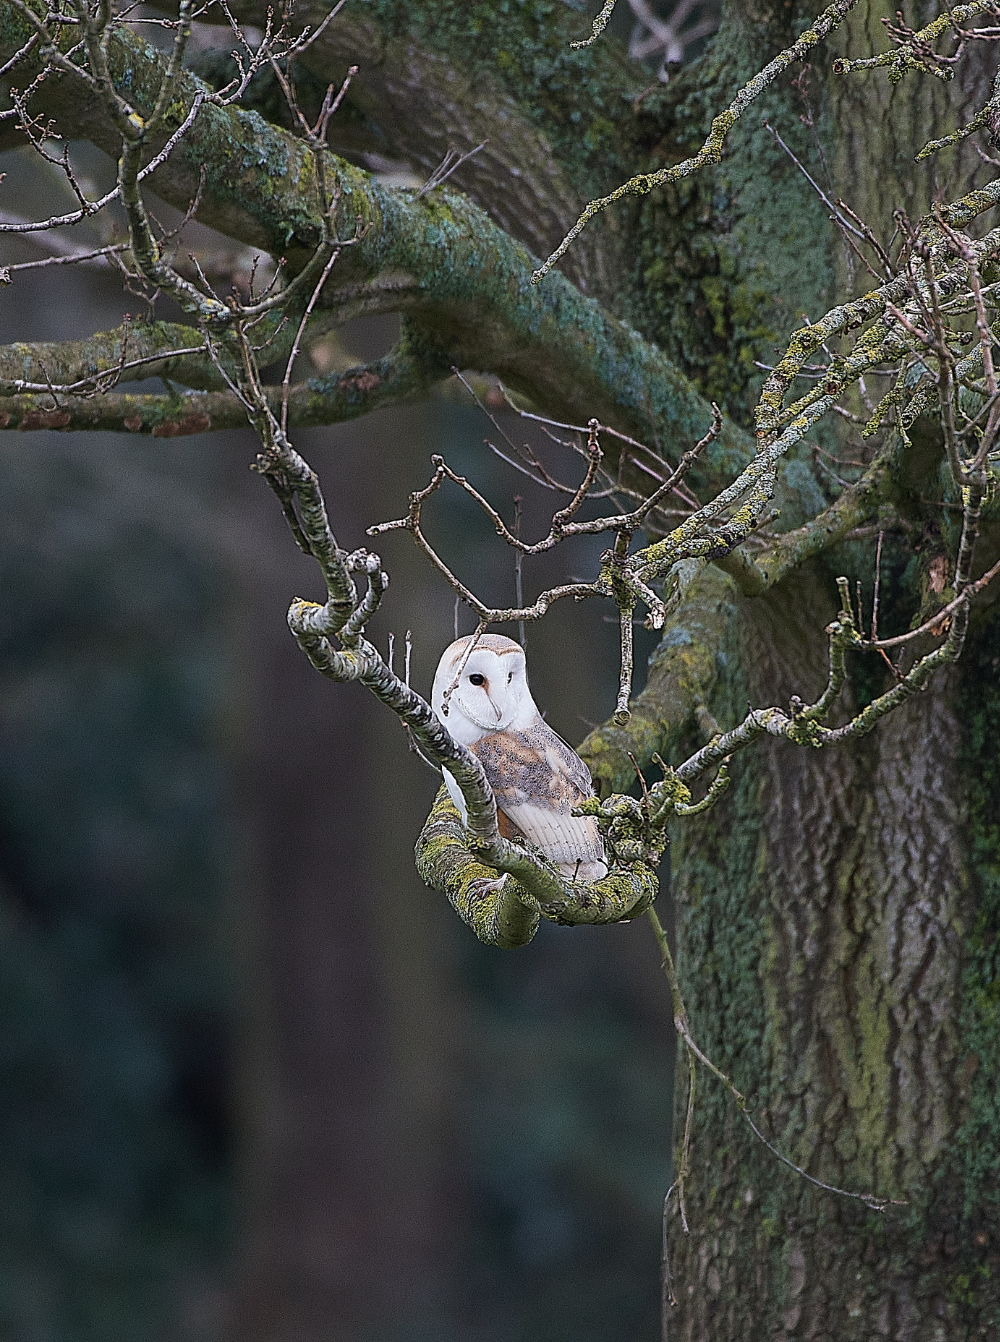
(328, 399)
(464, 282)
(538, 155)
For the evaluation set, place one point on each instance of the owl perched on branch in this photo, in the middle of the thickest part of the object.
(536, 777)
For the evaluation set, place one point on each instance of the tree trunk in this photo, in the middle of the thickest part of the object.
(837, 923)
(833, 923)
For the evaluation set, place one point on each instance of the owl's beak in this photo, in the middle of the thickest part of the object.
(496, 710)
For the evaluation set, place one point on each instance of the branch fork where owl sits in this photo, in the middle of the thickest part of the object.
(537, 887)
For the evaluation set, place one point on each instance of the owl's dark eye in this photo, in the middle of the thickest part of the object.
(510, 677)
(477, 679)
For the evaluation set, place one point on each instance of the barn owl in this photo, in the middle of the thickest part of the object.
(536, 777)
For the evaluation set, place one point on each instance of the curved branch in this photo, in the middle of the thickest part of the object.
(499, 911)
(425, 86)
(502, 911)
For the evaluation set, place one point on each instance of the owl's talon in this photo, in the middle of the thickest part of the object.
(487, 887)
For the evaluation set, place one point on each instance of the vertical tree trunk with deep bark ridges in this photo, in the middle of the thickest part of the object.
(831, 965)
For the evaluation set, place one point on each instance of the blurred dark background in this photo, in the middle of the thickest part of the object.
(256, 1081)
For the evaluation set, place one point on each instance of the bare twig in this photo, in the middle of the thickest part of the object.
(451, 162)
(600, 23)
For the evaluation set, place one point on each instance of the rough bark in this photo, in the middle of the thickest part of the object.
(836, 937)
(825, 949)
(433, 78)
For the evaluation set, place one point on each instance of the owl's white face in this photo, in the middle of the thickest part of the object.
(492, 692)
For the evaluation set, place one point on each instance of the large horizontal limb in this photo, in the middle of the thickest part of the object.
(426, 83)
(463, 280)
(156, 349)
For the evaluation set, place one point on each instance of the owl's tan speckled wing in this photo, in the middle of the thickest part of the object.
(537, 780)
